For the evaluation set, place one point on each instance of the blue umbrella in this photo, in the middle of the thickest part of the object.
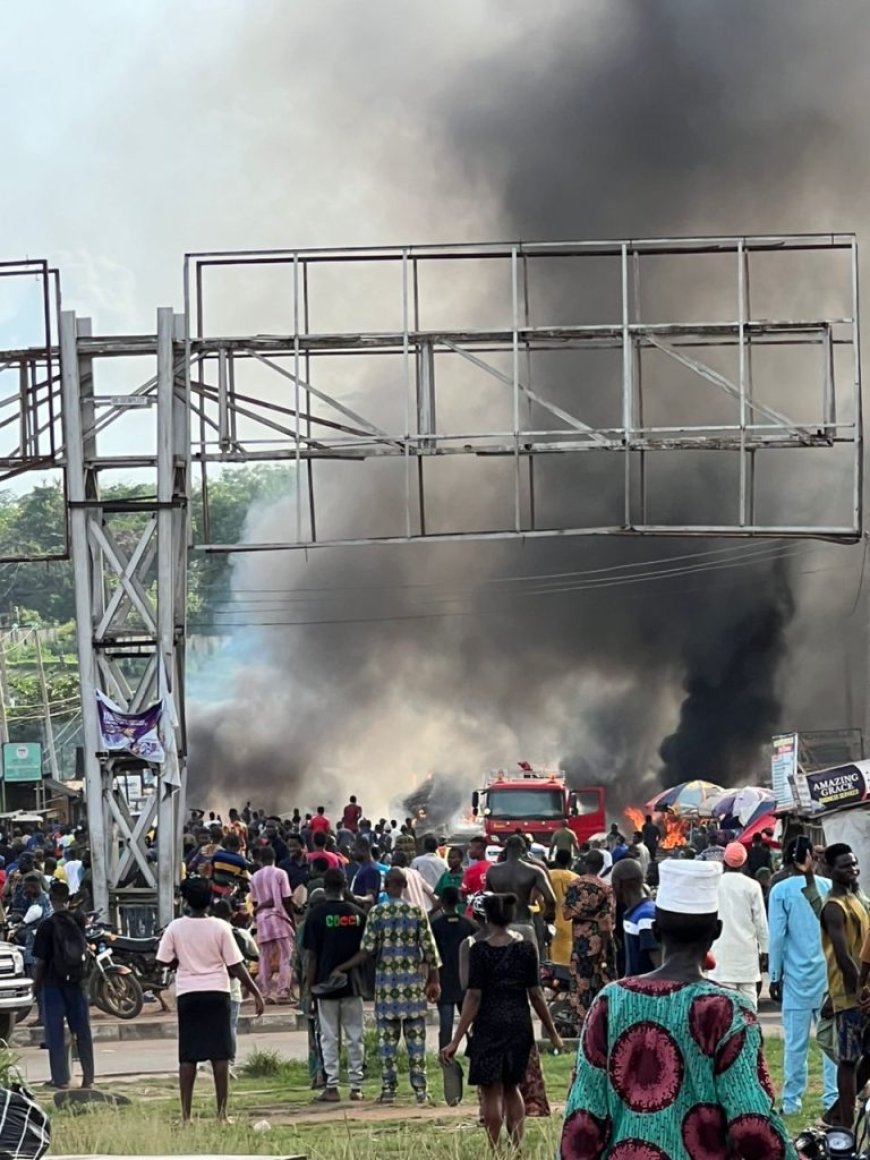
(743, 803)
(688, 796)
(724, 807)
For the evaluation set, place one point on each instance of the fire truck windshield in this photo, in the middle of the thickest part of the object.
(525, 804)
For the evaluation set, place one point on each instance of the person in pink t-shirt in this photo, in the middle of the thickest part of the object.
(202, 952)
(273, 909)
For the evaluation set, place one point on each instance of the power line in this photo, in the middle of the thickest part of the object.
(729, 549)
(783, 552)
(231, 604)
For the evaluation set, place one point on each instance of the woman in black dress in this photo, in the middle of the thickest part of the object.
(502, 981)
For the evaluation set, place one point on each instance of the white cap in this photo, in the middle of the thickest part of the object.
(687, 886)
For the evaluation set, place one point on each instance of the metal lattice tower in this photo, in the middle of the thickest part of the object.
(130, 629)
(407, 356)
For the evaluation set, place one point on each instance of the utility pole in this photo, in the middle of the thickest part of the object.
(46, 712)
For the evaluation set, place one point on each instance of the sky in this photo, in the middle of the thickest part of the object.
(138, 131)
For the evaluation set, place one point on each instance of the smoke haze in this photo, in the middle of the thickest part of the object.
(573, 121)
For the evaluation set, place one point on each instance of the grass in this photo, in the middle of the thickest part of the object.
(277, 1090)
(263, 1064)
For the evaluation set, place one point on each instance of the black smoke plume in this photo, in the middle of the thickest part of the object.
(732, 705)
(585, 120)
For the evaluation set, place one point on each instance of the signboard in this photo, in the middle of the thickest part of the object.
(783, 767)
(827, 748)
(844, 785)
(22, 761)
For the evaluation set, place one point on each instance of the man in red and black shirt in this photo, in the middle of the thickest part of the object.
(320, 823)
(474, 878)
(351, 815)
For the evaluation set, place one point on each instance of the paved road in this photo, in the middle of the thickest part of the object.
(159, 1056)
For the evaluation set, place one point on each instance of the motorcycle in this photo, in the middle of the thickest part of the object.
(837, 1143)
(112, 987)
(556, 984)
(140, 955)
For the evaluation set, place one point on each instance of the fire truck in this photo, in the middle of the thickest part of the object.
(537, 802)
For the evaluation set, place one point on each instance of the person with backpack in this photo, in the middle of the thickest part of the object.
(60, 951)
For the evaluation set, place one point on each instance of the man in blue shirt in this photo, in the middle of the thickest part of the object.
(798, 977)
(366, 884)
(642, 951)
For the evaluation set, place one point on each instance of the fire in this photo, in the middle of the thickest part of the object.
(635, 816)
(676, 831)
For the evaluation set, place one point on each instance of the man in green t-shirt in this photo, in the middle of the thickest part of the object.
(452, 876)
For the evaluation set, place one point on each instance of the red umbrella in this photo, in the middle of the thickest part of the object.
(765, 822)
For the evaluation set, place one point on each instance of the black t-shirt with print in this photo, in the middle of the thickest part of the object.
(333, 932)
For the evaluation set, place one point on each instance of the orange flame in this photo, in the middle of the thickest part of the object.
(676, 832)
(635, 816)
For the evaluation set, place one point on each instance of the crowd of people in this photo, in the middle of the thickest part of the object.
(348, 910)
(327, 915)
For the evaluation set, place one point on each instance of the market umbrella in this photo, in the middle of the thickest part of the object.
(687, 797)
(722, 805)
(742, 803)
(653, 804)
(762, 810)
(762, 821)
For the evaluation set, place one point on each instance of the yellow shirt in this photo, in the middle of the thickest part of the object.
(857, 929)
(560, 947)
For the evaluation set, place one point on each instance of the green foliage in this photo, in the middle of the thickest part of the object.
(41, 593)
(10, 1070)
(263, 1064)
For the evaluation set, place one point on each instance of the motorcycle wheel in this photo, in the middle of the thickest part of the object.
(564, 1017)
(118, 994)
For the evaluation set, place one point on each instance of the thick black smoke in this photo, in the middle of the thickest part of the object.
(732, 703)
(595, 120)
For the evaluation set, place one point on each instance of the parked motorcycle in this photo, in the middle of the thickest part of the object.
(113, 987)
(556, 984)
(140, 955)
(837, 1143)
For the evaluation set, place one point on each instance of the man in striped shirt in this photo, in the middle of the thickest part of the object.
(228, 868)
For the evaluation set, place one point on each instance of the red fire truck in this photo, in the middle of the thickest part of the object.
(538, 802)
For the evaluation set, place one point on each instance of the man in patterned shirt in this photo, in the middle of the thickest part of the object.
(398, 937)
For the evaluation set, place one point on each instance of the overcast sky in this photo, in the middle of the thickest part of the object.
(136, 131)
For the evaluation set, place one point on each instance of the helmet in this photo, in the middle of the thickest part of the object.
(476, 903)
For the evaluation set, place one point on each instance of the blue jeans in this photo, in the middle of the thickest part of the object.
(235, 1008)
(445, 1022)
(67, 1002)
(797, 1022)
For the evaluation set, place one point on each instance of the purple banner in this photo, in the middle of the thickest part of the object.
(134, 733)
